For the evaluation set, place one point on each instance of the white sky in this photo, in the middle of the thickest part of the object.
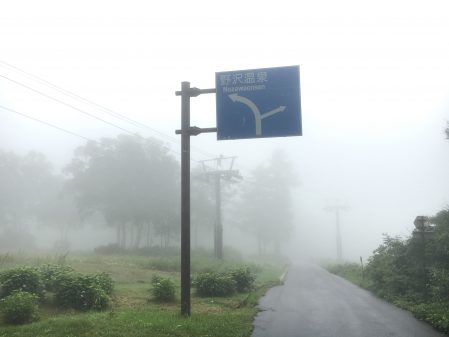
(374, 90)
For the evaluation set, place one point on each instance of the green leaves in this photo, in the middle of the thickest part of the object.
(244, 279)
(24, 279)
(163, 289)
(83, 292)
(19, 307)
(214, 284)
(130, 180)
(224, 284)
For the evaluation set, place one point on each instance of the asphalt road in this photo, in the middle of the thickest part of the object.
(315, 303)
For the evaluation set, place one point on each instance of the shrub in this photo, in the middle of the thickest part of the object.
(214, 284)
(163, 289)
(80, 292)
(104, 281)
(24, 278)
(51, 273)
(244, 279)
(19, 307)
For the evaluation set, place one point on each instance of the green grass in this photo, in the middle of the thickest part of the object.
(434, 313)
(140, 322)
(353, 272)
(133, 313)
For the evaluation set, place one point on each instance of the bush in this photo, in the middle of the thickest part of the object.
(214, 284)
(439, 284)
(244, 279)
(20, 307)
(163, 289)
(81, 292)
(25, 278)
(104, 281)
(433, 313)
(51, 273)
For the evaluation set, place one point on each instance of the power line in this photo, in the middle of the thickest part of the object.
(66, 104)
(73, 133)
(101, 107)
(46, 123)
(82, 111)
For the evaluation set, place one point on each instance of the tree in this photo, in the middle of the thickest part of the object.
(132, 181)
(58, 210)
(25, 181)
(266, 202)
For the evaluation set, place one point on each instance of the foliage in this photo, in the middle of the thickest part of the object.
(27, 279)
(434, 313)
(30, 190)
(81, 292)
(163, 289)
(104, 281)
(51, 273)
(244, 279)
(132, 315)
(19, 307)
(132, 181)
(24, 183)
(214, 284)
(414, 272)
(267, 214)
(388, 269)
(439, 281)
(351, 271)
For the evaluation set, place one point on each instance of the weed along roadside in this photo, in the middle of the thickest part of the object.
(127, 295)
(411, 273)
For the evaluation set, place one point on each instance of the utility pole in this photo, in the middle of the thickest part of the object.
(337, 208)
(218, 173)
(186, 132)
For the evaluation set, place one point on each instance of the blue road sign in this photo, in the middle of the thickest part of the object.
(258, 103)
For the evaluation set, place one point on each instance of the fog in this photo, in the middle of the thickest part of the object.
(374, 97)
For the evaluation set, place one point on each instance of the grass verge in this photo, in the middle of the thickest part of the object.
(133, 314)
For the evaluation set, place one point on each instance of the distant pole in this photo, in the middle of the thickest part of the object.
(337, 208)
(422, 227)
(185, 199)
(218, 228)
(363, 270)
(218, 174)
(339, 248)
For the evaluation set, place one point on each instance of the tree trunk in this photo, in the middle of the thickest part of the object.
(138, 235)
(118, 235)
(123, 245)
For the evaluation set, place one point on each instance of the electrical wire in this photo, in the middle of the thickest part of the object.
(84, 112)
(101, 107)
(66, 104)
(46, 123)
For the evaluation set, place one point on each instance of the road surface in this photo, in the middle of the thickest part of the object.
(315, 303)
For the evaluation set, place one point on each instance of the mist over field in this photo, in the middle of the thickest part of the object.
(89, 156)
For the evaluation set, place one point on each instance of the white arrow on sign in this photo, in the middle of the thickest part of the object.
(257, 115)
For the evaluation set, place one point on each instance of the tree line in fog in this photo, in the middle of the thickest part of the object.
(132, 185)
